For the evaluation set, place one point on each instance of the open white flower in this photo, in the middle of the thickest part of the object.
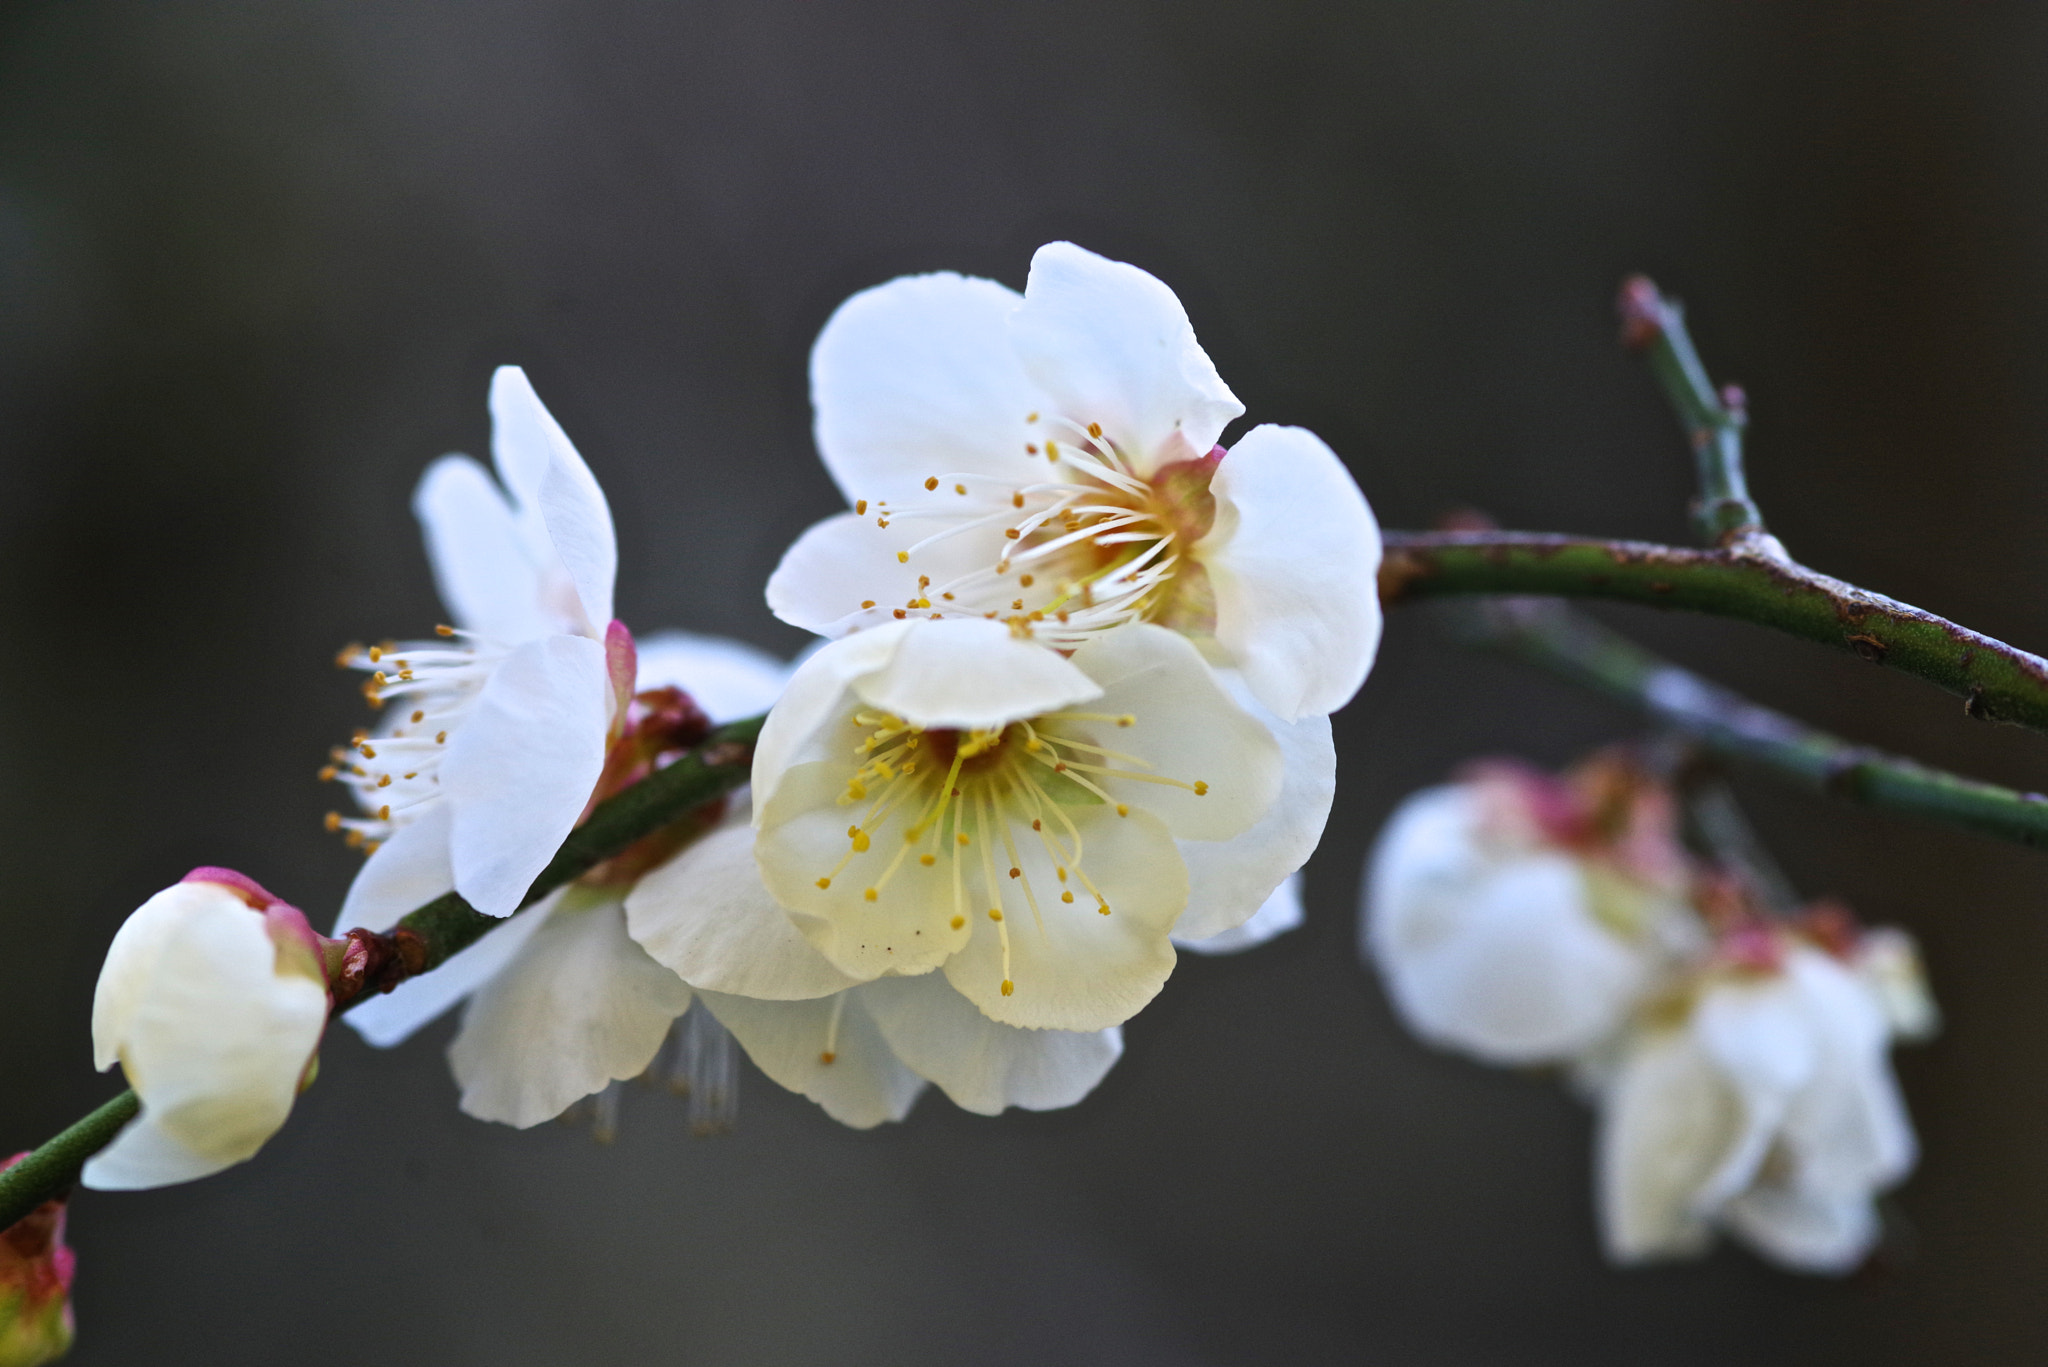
(949, 795)
(213, 1000)
(497, 731)
(562, 1001)
(1765, 1108)
(1052, 459)
(1521, 918)
(862, 1051)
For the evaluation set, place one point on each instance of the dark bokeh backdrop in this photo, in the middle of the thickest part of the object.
(256, 263)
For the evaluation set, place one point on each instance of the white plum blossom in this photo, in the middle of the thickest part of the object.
(1761, 1103)
(213, 998)
(1052, 459)
(864, 1051)
(952, 796)
(496, 732)
(561, 1000)
(1522, 918)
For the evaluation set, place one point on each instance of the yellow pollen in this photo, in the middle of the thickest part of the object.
(444, 630)
(440, 738)
(384, 813)
(383, 780)
(1016, 500)
(931, 483)
(924, 602)
(1008, 987)
(995, 914)
(327, 773)
(1062, 873)
(332, 821)
(960, 489)
(1024, 580)
(1017, 604)
(927, 859)
(824, 883)
(1067, 896)
(860, 842)
(959, 921)
(860, 505)
(419, 716)
(1052, 450)
(369, 753)
(1104, 908)
(869, 894)
(376, 654)
(1122, 810)
(867, 602)
(900, 614)
(947, 596)
(882, 522)
(1201, 788)
(1094, 429)
(903, 557)
(1010, 532)
(855, 789)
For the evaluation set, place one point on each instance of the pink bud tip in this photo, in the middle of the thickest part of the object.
(242, 885)
(1642, 312)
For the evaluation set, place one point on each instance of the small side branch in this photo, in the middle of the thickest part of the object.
(1583, 650)
(1996, 681)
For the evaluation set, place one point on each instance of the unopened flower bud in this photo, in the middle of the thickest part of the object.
(213, 1000)
(35, 1286)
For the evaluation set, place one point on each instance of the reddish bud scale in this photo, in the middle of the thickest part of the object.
(36, 1267)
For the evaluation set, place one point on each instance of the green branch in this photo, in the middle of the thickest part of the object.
(429, 936)
(1585, 651)
(1996, 681)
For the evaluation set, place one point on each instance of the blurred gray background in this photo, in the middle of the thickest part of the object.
(257, 262)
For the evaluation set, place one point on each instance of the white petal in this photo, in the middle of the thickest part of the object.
(549, 479)
(1501, 958)
(1112, 345)
(483, 565)
(1253, 869)
(404, 873)
(1186, 727)
(970, 674)
(848, 560)
(1806, 1233)
(1294, 558)
(706, 916)
(864, 1084)
(1756, 1033)
(521, 769)
(144, 1156)
(800, 726)
(1071, 967)
(1888, 961)
(917, 378)
(579, 1006)
(1667, 1121)
(1847, 1129)
(728, 679)
(394, 1017)
(985, 1067)
(1280, 914)
(801, 839)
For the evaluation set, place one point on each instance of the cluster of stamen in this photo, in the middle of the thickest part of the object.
(393, 771)
(954, 798)
(1091, 546)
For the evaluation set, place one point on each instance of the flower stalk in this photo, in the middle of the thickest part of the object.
(430, 935)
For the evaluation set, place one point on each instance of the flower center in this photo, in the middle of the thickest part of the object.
(394, 771)
(1091, 546)
(954, 798)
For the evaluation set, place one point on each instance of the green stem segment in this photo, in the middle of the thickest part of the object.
(1714, 420)
(438, 930)
(1997, 682)
(1589, 653)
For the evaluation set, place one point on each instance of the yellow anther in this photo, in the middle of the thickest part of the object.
(327, 773)
(960, 836)
(1030, 448)
(860, 842)
(869, 895)
(923, 603)
(1016, 872)
(368, 752)
(1061, 872)
(824, 883)
(332, 821)
(959, 921)
(1122, 810)
(1024, 581)
(1126, 720)
(384, 813)
(867, 602)
(855, 789)
(1067, 896)
(1008, 987)
(860, 505)
(931, 483)
(1038, 825)
(1016, 500)
(995, 914)
(419, 716)
(1010, 532)
(440, 738)
(903, 557)
(444, 630)
(1094, 429)
(900, 614)
(827, 1057)
(1016, 604)
(927, 860)
(1104, 908)
(1201, 788)
(960, 489)
(383, 780)
(376, 654)
(1052, 450)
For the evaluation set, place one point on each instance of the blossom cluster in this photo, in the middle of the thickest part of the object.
(1737, 1053)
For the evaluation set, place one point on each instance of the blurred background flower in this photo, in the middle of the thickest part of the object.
(256, 265)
